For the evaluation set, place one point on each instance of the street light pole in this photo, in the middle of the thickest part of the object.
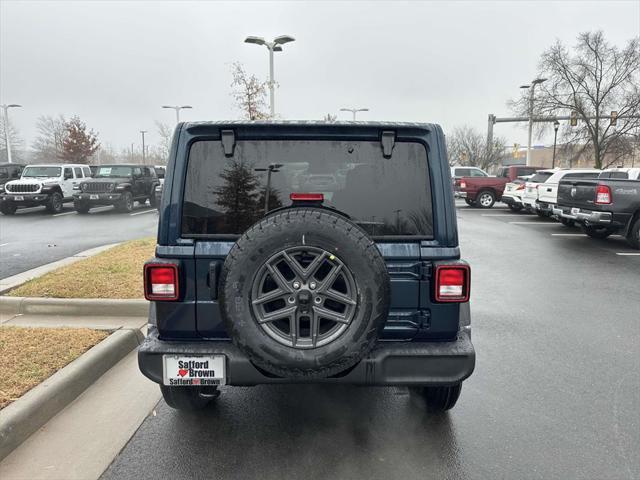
(532, 90)
(144, 161)
(274, 46)
(354, 111)
(7, 140)
(177, 108)
(556, 125)
(272, 168)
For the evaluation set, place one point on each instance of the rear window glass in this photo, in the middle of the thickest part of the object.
(540, 177)
(582, 175)
(386, 197)
(618, 175)
(525, 170)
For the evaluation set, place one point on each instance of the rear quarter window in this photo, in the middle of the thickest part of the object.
(385, 197)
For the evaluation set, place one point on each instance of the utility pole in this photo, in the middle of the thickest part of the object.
(272, 168)
(177, 108)
(354, 111)
(532, 89)
(556, 125)
(7, 140)
(144, 161)
(274, 46)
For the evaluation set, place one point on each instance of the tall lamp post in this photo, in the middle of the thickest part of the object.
(532, 89)
(5, 117)
(273, 46)
(556, 125)
(354, 111)
(272, 168)
(144, 161)
(177, 108)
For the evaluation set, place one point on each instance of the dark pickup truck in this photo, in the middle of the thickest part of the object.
(483, 192)
(603, 206)
(307, 252)
(118, 185)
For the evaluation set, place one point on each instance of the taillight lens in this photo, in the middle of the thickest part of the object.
(463, 184)
(452, 283)
(161, 281)
(603, 195)
(520, 187)
(307, 197)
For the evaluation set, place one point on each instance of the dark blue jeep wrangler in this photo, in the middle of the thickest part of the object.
(293, 252)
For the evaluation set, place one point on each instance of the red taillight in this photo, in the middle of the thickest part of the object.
(463, 184)
(520, 187)
(307, 197)
(452, 283)
(603, 195)
(161, 281)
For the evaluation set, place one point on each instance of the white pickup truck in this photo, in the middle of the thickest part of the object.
(542, 197)
(50, 185)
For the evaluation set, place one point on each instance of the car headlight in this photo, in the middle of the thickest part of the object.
(121, 187)
(76, 187)
(1, 188)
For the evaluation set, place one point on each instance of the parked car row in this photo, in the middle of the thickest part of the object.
(53, 185)
(603, 202)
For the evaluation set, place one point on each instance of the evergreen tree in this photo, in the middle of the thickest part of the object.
(238, 197)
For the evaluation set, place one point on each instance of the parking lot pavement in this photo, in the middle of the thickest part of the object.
(555, 394)
(33, 237)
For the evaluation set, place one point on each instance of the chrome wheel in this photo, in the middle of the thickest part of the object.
(486, 200)
(304, 297)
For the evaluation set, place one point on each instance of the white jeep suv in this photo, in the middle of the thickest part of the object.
(50, 185)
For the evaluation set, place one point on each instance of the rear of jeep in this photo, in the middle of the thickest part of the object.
(307, 253)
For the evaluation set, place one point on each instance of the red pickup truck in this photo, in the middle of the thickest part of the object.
(484, 191)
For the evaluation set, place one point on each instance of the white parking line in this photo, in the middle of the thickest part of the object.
(569, 234)
(65, 213)
(537, 223)
(502, 214)
(145, 211)
(626, 254)
(101, 209)
(3, 244)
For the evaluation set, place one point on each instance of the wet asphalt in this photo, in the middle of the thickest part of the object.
(33, 237)
(555, 394)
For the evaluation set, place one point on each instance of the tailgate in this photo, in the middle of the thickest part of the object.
(579, 193)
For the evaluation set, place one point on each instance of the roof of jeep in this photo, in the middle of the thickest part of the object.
(312, 123)
(57, 165)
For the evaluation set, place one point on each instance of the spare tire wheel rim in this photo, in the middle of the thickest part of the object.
(304, 297)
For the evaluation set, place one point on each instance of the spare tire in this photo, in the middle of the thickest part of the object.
(304, 293)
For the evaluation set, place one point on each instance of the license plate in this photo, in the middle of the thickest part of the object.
(180, 370)
(18, 198)
(574, 210)
(93, 197)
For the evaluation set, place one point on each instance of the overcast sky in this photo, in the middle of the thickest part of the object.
(115, 63)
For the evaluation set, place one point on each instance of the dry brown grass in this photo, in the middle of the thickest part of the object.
(31, 355)
(115, 273)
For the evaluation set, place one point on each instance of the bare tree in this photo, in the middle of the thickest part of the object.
(17, 144)
(249, 93)
(593, 79)
(330, 117)
(49, 144)
(468, 147)
(166, 135)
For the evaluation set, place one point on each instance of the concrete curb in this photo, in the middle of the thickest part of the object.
(94, 307)
(9, 283)
(30, 412)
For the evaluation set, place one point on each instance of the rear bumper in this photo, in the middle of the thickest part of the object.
(511, 200)
(584, 216)
(389, 363)
(459, 194)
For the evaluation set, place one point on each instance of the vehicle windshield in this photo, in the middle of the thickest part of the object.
(540, 177)
(386, 197)
(159, 171)
(112, 172)
(4, 173)
(32, 172)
